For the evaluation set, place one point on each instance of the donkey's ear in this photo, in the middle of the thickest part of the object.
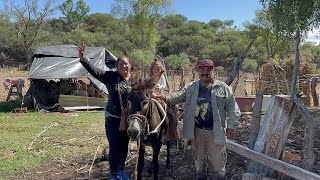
(153, 80)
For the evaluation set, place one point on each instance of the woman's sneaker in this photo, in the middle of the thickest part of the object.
(122, 175)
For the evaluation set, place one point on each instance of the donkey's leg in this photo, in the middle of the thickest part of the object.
(156, 151)
(168, 143)
(141, 160)
(150, 169)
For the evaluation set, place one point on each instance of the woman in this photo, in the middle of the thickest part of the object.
(118, 85)
(157, 67)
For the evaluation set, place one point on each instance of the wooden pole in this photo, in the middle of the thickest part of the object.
(276, 164)
(174, 80)
(255, 123)
(182, 80)
(308, 154)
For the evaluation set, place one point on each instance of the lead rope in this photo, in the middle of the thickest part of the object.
(87, 96)
(137, 160)
(163, 110)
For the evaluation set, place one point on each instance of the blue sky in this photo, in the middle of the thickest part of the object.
(200, 10)
(205, 10)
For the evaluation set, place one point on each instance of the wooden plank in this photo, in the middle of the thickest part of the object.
(273, 132)
(73, 101)
(82, 108)
(280, 166)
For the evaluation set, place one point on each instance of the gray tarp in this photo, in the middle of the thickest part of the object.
(62, 61)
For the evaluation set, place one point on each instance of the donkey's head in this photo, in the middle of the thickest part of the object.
(138, 100)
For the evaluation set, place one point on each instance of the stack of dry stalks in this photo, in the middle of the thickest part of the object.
(304, 84)
(272, 79)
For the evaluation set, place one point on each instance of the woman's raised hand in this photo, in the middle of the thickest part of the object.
(81, 49)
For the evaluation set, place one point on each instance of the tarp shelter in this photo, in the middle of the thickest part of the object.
(62, 62)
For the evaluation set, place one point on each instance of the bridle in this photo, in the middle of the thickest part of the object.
(143, 123)
(143, 120)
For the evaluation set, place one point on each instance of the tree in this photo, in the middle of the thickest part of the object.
(5, 26)
(172, 21)
(77, 36)
(228, 23)
(99, 22)
(143, 17)
(58, 25)
(177, 61)
(274, 43)
(220, 70)
(29, 21)
(312, 51)
(141, 57)
(295, 17)
(216, 23)
(252, 33)
(75, 13)
(249, 65)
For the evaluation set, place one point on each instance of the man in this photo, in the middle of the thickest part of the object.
(211, 114)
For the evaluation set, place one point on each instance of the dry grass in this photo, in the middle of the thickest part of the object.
(27, 139)
(12, 72)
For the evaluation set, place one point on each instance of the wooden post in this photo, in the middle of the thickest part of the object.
(182, 80)
(255, 123)
(174, 80)
(193, 75)
(314, 92)
(10, 92)
(234, 87)
(308, 155)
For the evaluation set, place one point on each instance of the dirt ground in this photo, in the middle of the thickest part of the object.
(181, 168)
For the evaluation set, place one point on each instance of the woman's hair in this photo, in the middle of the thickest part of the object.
(156, 62)
(122, 57)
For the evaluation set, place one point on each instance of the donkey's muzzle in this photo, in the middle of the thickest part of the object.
(133, 133)
(135, 128)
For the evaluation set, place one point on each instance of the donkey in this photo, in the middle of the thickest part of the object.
(147, 122)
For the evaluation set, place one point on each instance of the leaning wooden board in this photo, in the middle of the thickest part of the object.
(273, 132)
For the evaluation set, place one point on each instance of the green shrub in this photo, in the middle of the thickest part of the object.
(9, 106)
(220, 69)
(177, 61)
(141, 57)
(249, 65)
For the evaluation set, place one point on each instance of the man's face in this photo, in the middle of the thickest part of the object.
(206, 74)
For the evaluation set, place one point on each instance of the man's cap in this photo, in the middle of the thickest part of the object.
(205, 63)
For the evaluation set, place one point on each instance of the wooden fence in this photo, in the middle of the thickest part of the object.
(176, 78)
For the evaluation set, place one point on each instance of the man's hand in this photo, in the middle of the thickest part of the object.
(157, 88)
(81, 49)
(230, 133)
(159, 96)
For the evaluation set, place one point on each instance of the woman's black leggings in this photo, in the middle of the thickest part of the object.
(118, 145)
